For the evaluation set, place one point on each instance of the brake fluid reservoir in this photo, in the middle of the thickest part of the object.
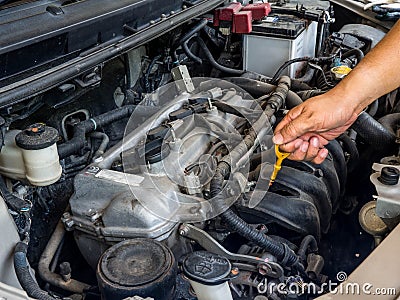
(40, 155)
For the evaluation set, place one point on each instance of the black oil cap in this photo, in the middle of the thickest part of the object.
(36, 136)
(389, 176)
(207, 268)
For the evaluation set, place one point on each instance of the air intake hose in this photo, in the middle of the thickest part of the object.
(375, 133)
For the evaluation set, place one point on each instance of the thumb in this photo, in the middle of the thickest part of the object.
(294, 125)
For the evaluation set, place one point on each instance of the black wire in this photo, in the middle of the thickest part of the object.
(296, 60)
(187, 36)
(189, 53)
(147, 86)
(213, 62)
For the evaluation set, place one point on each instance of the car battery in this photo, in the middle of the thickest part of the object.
(277, 39)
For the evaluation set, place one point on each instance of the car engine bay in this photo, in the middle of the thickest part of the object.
(145, 173)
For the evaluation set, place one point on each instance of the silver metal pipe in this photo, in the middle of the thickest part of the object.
(54, 279)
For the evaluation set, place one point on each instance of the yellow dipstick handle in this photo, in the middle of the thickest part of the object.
(280, 156)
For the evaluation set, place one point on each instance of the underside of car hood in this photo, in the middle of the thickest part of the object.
(73, 38)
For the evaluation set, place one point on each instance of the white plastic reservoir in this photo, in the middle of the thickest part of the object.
(39, 153)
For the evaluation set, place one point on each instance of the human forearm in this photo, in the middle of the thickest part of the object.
(377, 74)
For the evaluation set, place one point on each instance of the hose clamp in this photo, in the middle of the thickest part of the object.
(94, 123)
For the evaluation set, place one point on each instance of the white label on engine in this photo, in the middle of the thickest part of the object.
(271, 19)
(123, 178)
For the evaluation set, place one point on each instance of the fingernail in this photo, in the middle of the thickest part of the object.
(323, 153)
(278, 139)
(315, 142)
(298, 144)
(304, 147)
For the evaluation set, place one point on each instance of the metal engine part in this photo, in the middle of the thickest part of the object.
(181, 205)
(157, 191)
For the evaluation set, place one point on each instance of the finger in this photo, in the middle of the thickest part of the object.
(313, 149)
(322, 140)
(322, 154)
(291, 146)
(293, 130)
(290, 116)
(300, 154)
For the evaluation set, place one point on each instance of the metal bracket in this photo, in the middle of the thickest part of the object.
(269, 268)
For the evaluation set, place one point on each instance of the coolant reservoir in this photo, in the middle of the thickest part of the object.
(39, 152)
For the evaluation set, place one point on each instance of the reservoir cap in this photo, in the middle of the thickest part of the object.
(389, 176)
(36, 137)
(207, 268)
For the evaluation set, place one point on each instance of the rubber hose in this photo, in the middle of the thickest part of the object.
(308, 242)
(258, 88)
(298, 84)
(104, 142)
(213, 62)
(24, 276)
(78, 140)
(373, 132)
(350, 146)
(3, 130)
(357, 52)
(287, 64)
(308, 75)
(339, 162)
(235, 223)
(190, 54)
(391, 122)
(187, 36)
(373, 108)
(192, 31)
(305, 95)
(278, 249)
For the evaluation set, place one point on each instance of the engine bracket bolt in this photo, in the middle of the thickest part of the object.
(183, 230)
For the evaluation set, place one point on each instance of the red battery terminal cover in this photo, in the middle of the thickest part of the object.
(258, 10)
(242, 22)
(226, 13)
(240, 18)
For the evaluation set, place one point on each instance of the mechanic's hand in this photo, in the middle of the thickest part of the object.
(307, 128)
